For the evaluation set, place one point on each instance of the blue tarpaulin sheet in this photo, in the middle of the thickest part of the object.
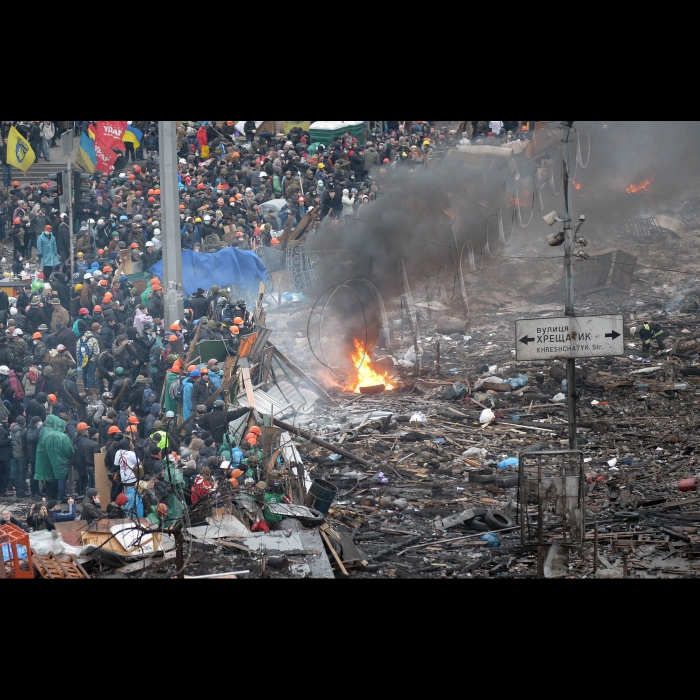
(229, 266)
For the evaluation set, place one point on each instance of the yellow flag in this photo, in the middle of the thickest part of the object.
(19, 152)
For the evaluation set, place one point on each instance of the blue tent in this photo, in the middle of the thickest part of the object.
(229, 266)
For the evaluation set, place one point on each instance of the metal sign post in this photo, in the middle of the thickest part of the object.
(67, 143)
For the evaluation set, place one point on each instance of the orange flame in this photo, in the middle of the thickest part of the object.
(366, 376)
(577, 185)
(633, 189)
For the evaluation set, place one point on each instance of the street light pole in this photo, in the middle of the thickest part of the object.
(173, 295)
(569, 280)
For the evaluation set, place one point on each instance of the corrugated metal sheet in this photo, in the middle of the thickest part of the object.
(284, 392)
(268, 405)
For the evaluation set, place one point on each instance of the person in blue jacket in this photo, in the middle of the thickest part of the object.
(134, 506)
(47, 252)
(188, 406)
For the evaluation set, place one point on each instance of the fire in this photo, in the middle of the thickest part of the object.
(523, 199)
(577, 185)
(633, 189)
(366, 376)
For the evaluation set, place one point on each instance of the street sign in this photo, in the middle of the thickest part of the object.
(67, 143)
(569, 337)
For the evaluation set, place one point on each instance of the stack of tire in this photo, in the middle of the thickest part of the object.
(488, 521)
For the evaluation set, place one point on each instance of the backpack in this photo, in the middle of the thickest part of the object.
(17, 387)
(33, 374)
(85, 354)
(174, 389)
(149, 398)
(92, 410)
(180, 398)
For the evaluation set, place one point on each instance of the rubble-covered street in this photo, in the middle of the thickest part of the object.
(394, 399)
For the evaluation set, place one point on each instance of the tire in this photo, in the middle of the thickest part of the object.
(480, 513)
(478, 525)
(497, 521)
(312, 522)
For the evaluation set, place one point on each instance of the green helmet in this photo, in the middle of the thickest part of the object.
(119, 371)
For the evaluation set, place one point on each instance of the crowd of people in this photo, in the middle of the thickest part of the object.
(87, 364)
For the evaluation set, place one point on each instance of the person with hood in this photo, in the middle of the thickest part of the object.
(372, 158)
(37, 407)
(53, 456)
(189, 403)
(153, 416)
(18, 435)
(47, 252)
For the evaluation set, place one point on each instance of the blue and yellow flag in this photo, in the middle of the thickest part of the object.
(86, 157)
(19, 152)
(133, 135)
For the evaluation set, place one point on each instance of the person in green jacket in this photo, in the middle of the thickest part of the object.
(170, 403)
(53, 455)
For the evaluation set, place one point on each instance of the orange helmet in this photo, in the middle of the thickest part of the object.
(114, 430)
(175, 327)
(173, 339)
(235, 330)
(37, 336)
(82, 426)
(255, 430)
(107, 270)
(53, 399)
(133, 420)
(238, 321)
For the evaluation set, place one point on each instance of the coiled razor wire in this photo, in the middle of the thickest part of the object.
(384, 321)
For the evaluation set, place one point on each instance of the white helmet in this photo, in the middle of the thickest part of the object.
(101, 222)
(156, 232)
(5, 371)
(207, 218)
(19, 331)
(88, 276)
(91, 222)
(13, 311)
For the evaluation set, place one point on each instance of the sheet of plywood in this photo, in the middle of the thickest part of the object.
(102, 482)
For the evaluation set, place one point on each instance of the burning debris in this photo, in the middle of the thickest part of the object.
(641, 187)
(367, 378)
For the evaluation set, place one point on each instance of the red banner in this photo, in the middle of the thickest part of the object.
(106, 157)
(112, 133)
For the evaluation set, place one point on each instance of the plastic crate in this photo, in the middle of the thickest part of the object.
(16, 553)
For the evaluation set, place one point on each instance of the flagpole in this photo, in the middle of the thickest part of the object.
(70, 220)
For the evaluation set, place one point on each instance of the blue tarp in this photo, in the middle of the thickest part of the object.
(229, 266)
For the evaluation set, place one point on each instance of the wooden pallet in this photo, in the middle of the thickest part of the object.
(49, 567)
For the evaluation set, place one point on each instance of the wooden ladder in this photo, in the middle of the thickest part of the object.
(49, 567)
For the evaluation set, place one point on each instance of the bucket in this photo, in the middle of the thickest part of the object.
(321, 496)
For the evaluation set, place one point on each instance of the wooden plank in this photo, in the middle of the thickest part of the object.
(332, 550)
(102, 482)
(248, 386)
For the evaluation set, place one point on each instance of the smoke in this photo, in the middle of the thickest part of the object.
(441, 222)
